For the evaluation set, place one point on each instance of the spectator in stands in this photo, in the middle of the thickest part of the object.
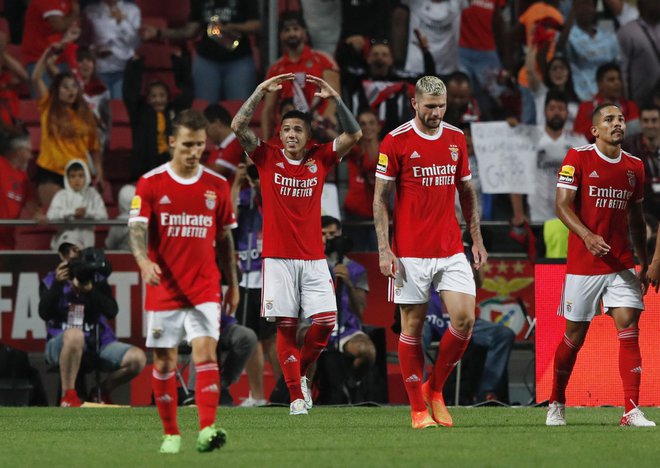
(554, 141)
(15, 189)
(362, 161)
(610, 89)
(587, 47)
(246, 201)
(113, 33)
(300, 59)
(118, 235)
(76, 305)
(462, 106)
(439, 22)
(46, 22)
(76, 201)
(646, 146)
(151, 116)
(352, 287)
(12, 74)
(482, 33)
(621, 11)
(495, 338)
(640, 51)
(324, 20)
(373, 82)
(236, 344)
(227, 152)
(556, 76)
(224, 68)
(68, 128)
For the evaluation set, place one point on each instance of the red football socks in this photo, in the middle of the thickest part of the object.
(565, 357)
(289, 356)
(316, 339)
(450, 351)
(630, 366)
(411, 361)
(207, 392)
(165, 394)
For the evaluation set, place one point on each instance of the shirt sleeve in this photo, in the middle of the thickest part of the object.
(569, 174)
(50, 8)
(225, 213)
(464, 173)
(141, 206)
(388, 164)
(638, 193)
(328, 154)
(260, 154)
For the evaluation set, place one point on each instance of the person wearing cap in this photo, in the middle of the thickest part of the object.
(76, 311)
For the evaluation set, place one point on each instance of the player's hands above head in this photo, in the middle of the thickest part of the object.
(596, 245)
(480, 255)
(150, 272)
(653, 275)
(387, 262)
(325, 90)
(275, 83)
(230, 300)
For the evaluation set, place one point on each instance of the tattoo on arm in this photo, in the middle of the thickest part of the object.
(470, 208)
(137, 239)
(241, 122)
(228, 257)
(381, 212)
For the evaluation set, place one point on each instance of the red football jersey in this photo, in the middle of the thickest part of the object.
(184, 216)
(604, 187)
(360, 196)
(427, 170)
(38, 34)
(291, 192)
(228, 155)
(15, 191)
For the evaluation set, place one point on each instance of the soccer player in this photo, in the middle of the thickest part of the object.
(295, 272)
(185, 210)
(427, 160)
(599, 193)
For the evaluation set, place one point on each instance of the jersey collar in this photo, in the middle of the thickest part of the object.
(605, 158)
(180, 179)
(424, 135)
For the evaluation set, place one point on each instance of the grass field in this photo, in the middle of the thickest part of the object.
(328, 437)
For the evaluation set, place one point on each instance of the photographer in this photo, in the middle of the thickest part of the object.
(76, 302)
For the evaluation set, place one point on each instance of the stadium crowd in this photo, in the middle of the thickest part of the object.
(89, 91)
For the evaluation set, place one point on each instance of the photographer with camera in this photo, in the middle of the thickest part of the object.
(76, 302)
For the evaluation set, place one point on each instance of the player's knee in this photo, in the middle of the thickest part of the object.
(368, 352)
(73, 338)
(464, 323)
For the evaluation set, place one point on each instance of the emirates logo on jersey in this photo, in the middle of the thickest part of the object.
(453, 149)
(632, 180)
(210, 197)
(311, 165)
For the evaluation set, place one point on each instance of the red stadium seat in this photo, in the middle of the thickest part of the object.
(120, 139)
(4, 25)
(156, 56)
(119, 113)
(200, 104)
(155, 21)
(29, 113)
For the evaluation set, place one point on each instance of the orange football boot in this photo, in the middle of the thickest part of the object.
(422, 420)
(436, 404)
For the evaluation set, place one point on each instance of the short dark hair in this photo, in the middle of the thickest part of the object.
(285, 102)
(556, 95)
(457, 76)
(648, 107)
(329, 221)
(296, 114)
(596, 113)
(158, 83)
(217, 113)
(191, 119)
(607, 67)
(291, 16)
(76, 166)
(85, 52)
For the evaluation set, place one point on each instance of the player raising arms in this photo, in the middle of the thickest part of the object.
(185, 209)
(599, 193)
(295, 272)
(427, 160)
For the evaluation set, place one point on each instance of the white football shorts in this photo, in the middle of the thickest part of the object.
(414, 277)
(167, 329)
(291, 285)
(583, 295)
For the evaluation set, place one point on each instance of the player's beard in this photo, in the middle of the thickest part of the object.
(556, 123)
(432, 123)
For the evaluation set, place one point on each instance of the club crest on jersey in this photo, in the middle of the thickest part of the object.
(382, 162)
(632, 180)
(211, 197)
(453, 149)
(269, 304)
(311, 165)
(566, 174)
(136, 204)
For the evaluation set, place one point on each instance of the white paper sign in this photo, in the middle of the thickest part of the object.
(506, 156)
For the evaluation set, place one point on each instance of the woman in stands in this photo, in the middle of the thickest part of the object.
(68, 128)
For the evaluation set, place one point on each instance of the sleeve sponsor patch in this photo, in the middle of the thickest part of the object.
(382, 163)
(136, 204)
(566, 174)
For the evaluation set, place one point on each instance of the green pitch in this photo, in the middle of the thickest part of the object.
(328, 437)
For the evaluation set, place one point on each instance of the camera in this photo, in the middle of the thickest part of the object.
(341, 245)
(90, 262)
